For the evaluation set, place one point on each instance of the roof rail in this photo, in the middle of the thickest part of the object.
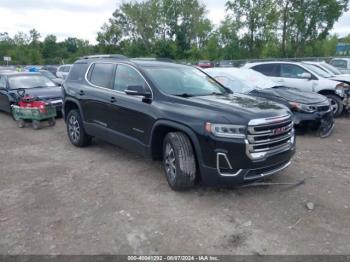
(159, 59)
(105, 56)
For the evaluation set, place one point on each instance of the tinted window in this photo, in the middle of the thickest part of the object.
(292, 71)
(127, 76)
(2, 81)
(339, 63)
(77, 72)
(102, 75)
(268, 69)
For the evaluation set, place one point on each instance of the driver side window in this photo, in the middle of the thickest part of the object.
(127, 76)
(292, 71)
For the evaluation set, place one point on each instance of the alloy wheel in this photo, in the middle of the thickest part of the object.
(334, 105)
(74, 128)
(170, 162)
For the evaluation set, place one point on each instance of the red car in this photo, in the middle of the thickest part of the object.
(205, 64)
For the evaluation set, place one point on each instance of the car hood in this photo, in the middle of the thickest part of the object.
(294, 95)
(241, 105)
(341, 78)
(43, 92)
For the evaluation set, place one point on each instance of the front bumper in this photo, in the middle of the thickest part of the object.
(315, 118)
(272, 165)
(232, 165)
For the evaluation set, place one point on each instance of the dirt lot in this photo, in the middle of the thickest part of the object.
(58, 199)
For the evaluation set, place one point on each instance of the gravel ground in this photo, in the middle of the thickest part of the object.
(58, 199)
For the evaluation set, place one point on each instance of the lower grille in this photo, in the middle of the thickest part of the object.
(323, 108)
(269, 136)
(266, 171)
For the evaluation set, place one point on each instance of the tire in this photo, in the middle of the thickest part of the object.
(336, 104)
(21, 123)
(51, 121)
(76, 131)
(179, 161)
(36, 124)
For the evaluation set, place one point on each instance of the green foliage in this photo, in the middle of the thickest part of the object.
(181, 30)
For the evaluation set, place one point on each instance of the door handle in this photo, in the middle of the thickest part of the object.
(280, 80)
(81, 92)
(113, 100)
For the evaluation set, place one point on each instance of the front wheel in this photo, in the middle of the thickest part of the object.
(36, 124)
(336, 104)
(179, 161)
(76, 131)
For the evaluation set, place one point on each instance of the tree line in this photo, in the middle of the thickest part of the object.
(181, 30)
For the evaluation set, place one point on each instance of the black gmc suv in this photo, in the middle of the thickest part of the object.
(180, 115)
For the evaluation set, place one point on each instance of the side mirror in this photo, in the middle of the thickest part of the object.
(306, 76)
(137, 91)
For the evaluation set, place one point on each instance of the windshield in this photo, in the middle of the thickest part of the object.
(317, 71)
(29, 81)
(184, 81)
(331, 68)
(48, 74)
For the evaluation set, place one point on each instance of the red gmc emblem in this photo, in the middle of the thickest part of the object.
(279, 130)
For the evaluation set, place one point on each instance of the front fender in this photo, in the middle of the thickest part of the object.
(188, 131)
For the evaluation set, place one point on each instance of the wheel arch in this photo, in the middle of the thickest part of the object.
(70, 104)
(327, 92)
(163, 127)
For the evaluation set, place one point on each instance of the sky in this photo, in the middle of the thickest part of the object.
(84, 18)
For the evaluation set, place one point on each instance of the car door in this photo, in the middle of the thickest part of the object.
(96, 96)
(4, 101)
(292, 75)
(131, 116)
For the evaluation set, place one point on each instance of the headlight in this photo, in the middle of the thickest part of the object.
(302, 107)
(223, 130)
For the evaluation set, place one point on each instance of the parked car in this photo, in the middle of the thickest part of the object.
(52, 77)
(205, 64)
(51, 68)
(343, 64)
(34, 84)
(63, 71)
(309, 109)
(331, 71)
(178, 114)
(225, 63)
(300, 76)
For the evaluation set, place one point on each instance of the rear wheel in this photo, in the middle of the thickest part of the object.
(179, 161)
(76, 131)
(336, 104)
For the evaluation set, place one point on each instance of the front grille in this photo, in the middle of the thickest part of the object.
(269, 136)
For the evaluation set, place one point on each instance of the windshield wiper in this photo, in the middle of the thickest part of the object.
(183, 95)
(216, 94)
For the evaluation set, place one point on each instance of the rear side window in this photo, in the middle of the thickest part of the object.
(101, 74)
(268, 69)
(77, 72)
